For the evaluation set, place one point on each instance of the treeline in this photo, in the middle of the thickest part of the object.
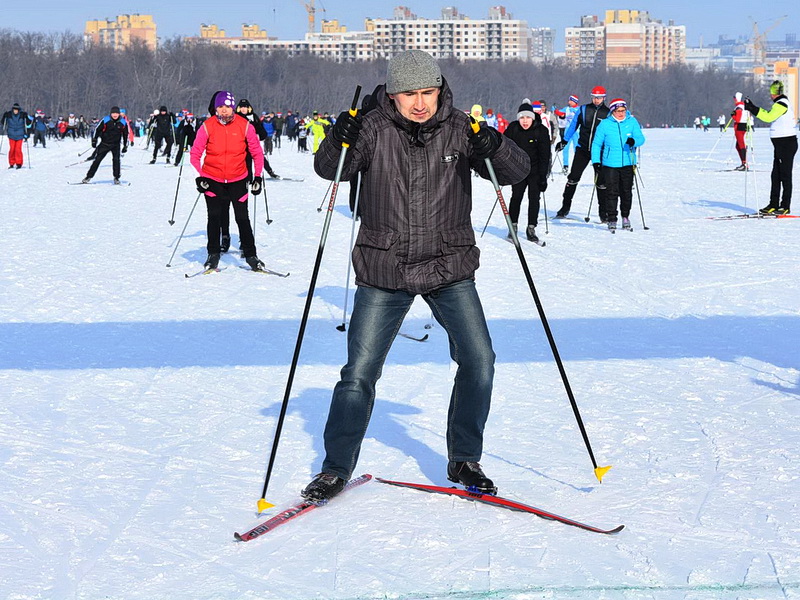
(54, 72)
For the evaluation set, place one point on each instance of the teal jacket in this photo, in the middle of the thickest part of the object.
(609, 146)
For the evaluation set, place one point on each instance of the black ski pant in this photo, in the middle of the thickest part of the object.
(619, 187)
(580, 160)
(38, 136)
(785, 148)
(100, 153)
(219, 198)
(159, 137)
(184, 141)
(531, 182)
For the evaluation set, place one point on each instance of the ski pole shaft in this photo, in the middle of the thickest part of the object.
(85, 151)
(591, 200)
(544, 204)
(598, 471)
(343, 326)
(325, 197)
(177, 187)
(262, 503)
(28, 148)
(491, 212)
(191, 212)
(639, 196)
(266, 203)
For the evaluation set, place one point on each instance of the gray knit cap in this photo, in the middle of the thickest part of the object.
(412, 70)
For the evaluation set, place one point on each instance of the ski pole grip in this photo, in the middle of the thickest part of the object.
(353, 110)
(474, 124)
(354, 105)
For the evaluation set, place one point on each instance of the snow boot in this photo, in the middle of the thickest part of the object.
(470, 475)
(323, 487)
(254, 263)
(225, 244)
(530, 233)
(212, 262)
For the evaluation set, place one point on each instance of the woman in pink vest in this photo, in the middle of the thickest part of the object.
(226, 138)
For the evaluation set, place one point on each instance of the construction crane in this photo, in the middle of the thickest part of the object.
(311, 10)
(760, 40)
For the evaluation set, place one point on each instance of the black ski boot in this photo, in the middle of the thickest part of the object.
(323, 487)
(254, 263)
(152, 162)
(212, 262)
(470, 475)
(225, 243)
(86, 180)
(116, 181)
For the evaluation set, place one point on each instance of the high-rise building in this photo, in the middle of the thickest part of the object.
(626, 39)
(543, 44)
(122, 32)
(585, 44)
(634, 39)
(499, 37)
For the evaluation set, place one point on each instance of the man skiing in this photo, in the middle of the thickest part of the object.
(415, 153)
(584, 125)
(163, 127)
(111, 131)
(783, 135)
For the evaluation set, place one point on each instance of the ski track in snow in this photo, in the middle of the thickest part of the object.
(139, 407)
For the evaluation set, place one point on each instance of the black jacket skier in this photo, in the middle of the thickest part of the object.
(163, 131)
(110, 132)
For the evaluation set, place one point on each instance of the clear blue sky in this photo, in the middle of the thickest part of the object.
(287, 19)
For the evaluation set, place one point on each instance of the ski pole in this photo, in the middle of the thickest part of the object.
(343, 326)
(28, 148)
(266, 204)
(262, 503)
(191, 212)
(319, 209)
(177, 187)
(544, 204)
(85, 151)
(641, 210)
(491, 212)
(599, 472)
(591, 200)
(2, 139)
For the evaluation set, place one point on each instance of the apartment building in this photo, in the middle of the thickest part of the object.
(584, 46)
(121, 32)
(543, 41)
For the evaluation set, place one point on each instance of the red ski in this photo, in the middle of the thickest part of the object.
(499, 501)
(293, 512)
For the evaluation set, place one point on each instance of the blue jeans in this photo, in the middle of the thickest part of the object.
(377, 316)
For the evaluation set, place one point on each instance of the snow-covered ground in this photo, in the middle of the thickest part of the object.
(138, 407)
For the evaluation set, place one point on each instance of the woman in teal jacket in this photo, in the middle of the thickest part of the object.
(614, 149)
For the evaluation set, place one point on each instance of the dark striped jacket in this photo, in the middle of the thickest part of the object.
(416, 233)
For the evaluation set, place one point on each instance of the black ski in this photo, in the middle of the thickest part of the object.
(125, 183)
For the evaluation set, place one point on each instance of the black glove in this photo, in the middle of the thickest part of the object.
(124, 149)
(596, 166)
(733, 114)
(543, 185)
(203, 184)
(750, 107)
(486, 142)
(256, 186)
(131, 143)
(561, 145)
(347, 128)
(94, 142)
(631, 142)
